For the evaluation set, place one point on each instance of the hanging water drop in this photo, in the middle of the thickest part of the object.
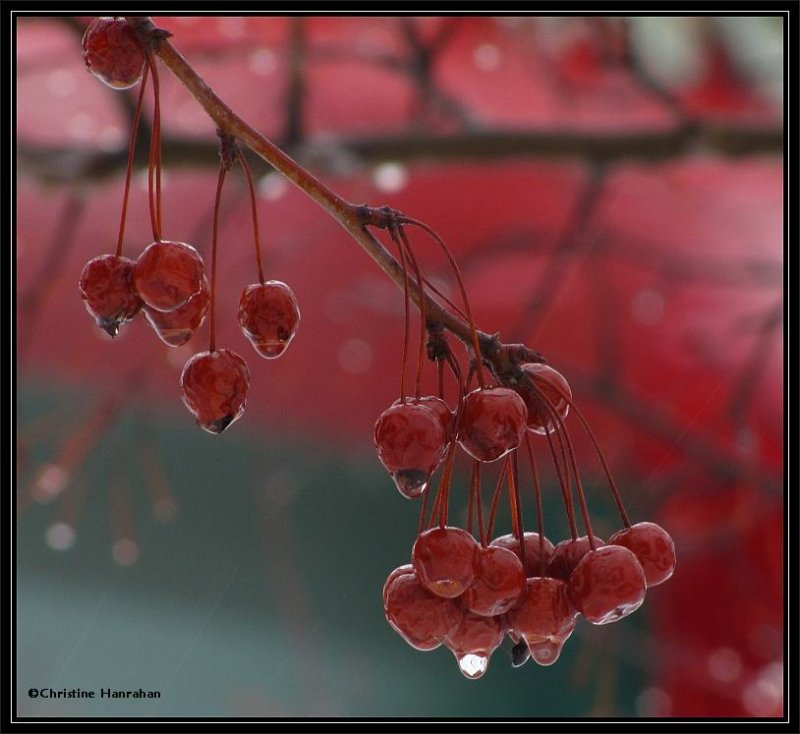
(472, 665)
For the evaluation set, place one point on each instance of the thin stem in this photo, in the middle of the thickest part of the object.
(476, 468)
(131, 151)
(496, 496)
(423, 310)
(516, 510)
(539, 509)
(256, 236)
(211, 321)
(406, 315)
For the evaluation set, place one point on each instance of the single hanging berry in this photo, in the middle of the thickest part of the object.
(652, 546)
(107, 290)
(269, 315)
(112, 52)
(499, 583)
(214, 387)
(446, 560)
(410, 441)
(473, 641)
(177, 327)
(492, 422)
(168, 274)
(544, 396)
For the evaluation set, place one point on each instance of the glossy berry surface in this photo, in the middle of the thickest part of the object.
(568, 553)
(403, 570)
(446, 560)
(492, 423)
(214, 387)
(533, 546)
(269, 315)
(421, 618)
(543, 396)
(652, 546)
(499, 582)
(107, 291)
(546, 652)
(545, 613)
(168, 274)
(410, 440)
(112, 53)
(607, 585)
(177, 327)
(440, 408)
(473, 641)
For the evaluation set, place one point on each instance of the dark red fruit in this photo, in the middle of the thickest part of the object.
(652, 546)
(112, 53)
(214, 387)
(545, 613)
(567, 554)
(607, 585)
(269, 315)
(438, 406)
(543, 395)
(421, 618)
(399, 571)
(473, 641)
(500, 581)
(446, 560)
(492, 422)
(532, 555)
(410, 441)
(107, 290)
(175, 328)
(168, 274)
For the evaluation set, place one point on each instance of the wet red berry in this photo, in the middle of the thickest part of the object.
(567, 554)
(175, 328)
(269, 315)
(112, 53)
(421, 618)
(499, 583)
(214, 387)
(652, 546)
(446, 560)
(438, 406)
(607, 585)
(406, 568)
(543, 396)
(410, 441)
(108, 293)
(533, 567)
(492, 422)
(473, 641)
(168, 274)
(545, 613)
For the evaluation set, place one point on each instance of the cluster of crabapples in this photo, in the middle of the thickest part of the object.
(167, 282)
(468, 594)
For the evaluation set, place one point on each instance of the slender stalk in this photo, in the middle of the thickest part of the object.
(256, 235)
(211, 321)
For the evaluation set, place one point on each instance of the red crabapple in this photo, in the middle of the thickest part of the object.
(107, 291)
(652, 546)
(438, 406)
(492, 422)
(607, 585)
(269, 315)
(168, 274)
(499, 583)
(214, 387)
(445, 560)
(543, 396)
(545, 613)
(175, 328)
(112, 52)
(410, 441)
(421, 618)
(568, 553)
(533, 543)
(473, 641)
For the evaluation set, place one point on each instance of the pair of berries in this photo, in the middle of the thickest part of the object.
(468, 597)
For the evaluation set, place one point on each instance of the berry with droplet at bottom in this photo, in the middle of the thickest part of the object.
(499, 583)
(473, 641)
(269, 315)
(177, 327)
(440, 408)
(492, 423)
(108, 293)
(545, 613)
(567, 554)
(652, 546)
(409, 439)
(214, 387)
(544, 395)
(607, 585)
(112, 52)
(167, 274)
(446, 560)
(422, 619)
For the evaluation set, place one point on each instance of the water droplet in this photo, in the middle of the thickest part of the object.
(520, 654)
(411, 483)
(390, 177)
(472, 665)
(546, 652)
